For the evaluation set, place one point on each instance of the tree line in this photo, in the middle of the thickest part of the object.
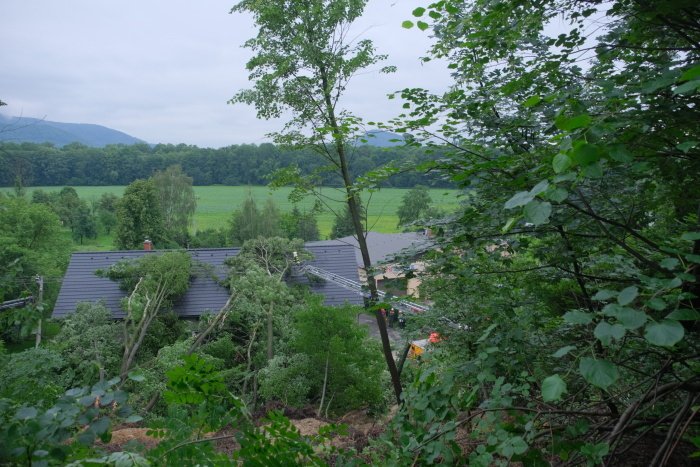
(78, 165)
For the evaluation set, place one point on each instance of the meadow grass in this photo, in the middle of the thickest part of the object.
(215, 205)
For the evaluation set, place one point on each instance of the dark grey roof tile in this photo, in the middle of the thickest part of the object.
(80, 283)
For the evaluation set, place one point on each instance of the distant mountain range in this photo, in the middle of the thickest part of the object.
(382, 139)
(34, 130)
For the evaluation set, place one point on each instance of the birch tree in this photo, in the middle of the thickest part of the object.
(303, 63)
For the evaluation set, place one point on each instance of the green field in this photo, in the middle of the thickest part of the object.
(215, 204)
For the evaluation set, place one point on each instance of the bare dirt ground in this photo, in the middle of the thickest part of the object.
(122, 436)
(360, 428)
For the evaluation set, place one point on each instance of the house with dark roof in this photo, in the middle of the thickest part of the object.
(205, 294)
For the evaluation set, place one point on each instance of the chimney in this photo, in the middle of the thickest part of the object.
(147, 245)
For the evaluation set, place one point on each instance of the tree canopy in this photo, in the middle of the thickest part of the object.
(177, 202)
(415, 205)
(139, 216)
(576, 252)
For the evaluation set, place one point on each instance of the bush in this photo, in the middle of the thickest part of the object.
(34, 376)
(90, 342)
(165, 330)
(285, 379)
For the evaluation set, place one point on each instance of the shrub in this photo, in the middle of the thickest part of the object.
(285, 379)
(34, 376)
(90, 342)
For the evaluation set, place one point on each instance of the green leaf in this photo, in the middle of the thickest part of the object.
(594, 170)
(568, 124)
(509, 225)
(135, 375)
(669, 263)
(692, 258)
(407, 24)
(684, 314)
(422, 25)
(557, 195)
(26, 413)
(595, 452)
(86, 438)
(578, 317)
(687, 88)
(561, 162)
(692, 73)
(627, 295)
(133, 419)
(629, 318)
(486, 333)
(620, 154)
(692, 236)
(585, 154)
(657, 304)
(605, 332)
(532, 101)
(563, 351)
(521, 198)
(552, 388)
(512, 446)
(665, 333)
(539, 188)
(418, 12)
(101, 425)
(538, 212)
(599, 373)
(687, 146)
(604, 294)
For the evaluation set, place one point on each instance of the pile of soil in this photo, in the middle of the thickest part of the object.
(122, 436)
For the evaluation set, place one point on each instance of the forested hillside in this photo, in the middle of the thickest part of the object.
(35, 130)
(78, 165)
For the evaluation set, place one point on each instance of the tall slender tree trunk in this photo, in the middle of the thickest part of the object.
(355, 213)
(325, 385)
(269, 333)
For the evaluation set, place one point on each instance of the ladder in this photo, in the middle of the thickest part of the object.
(344, 282)
(16, 303)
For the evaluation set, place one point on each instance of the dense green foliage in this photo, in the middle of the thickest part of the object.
(298, 224)
(177, 202)
(139, 217)
(344, 366)
(575, 262)
(78, 165)
(90, 343)
(30, 244)
(249, 222)
(343, 225)
(416, 205)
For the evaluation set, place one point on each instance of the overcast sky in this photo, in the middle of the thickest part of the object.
(163, 70)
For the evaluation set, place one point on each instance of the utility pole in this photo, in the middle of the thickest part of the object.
(39, 306)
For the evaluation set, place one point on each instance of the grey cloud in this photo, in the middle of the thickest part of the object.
(163, 70)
